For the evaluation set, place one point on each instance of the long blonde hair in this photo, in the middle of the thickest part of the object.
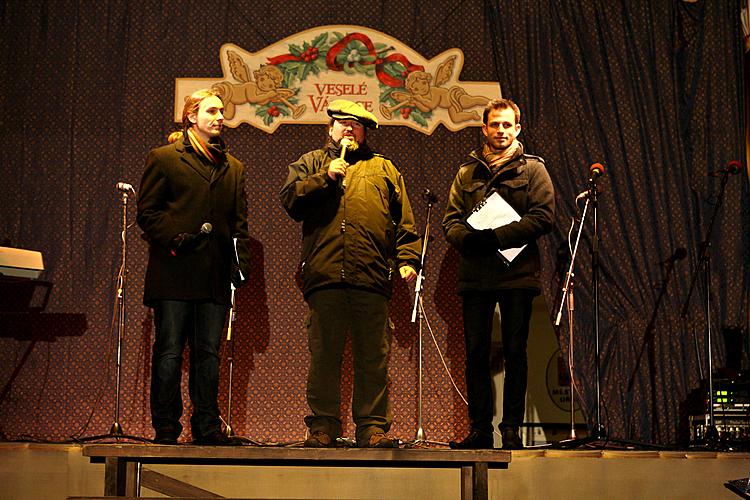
(192, 103)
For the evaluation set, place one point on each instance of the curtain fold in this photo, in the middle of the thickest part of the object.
(639, 87)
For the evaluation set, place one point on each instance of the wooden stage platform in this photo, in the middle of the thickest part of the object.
(123, 462)
(59, 471)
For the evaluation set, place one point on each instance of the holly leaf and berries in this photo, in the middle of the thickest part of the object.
(272, 110)
(353, 53)
(302, 60)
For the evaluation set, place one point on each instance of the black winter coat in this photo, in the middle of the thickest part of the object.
(179, 192)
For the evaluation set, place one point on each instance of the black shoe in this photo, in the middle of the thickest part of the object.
(511, 439)
(217, 438)
(166, 436)
(476, 440)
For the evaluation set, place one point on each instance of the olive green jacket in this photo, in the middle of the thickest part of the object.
(357, 235)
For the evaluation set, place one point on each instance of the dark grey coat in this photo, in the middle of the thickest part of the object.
(525, 184)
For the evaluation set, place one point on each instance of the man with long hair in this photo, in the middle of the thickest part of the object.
(192, 209)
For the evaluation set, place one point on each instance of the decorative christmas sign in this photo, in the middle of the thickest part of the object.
(293, 80)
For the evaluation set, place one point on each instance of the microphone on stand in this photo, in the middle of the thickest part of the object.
(595, 171)
(583, 195)
(125, 187)
(733, 167)
(429, 196)
(678, 254)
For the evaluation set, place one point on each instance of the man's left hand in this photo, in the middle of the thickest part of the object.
(407, 273)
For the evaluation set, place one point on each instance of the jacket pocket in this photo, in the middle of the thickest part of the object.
(473, 193)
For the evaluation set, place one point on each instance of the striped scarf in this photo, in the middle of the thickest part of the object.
(201, 147)
(496, 159)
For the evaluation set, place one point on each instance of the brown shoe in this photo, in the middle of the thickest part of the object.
(318, 439)
(380, 440)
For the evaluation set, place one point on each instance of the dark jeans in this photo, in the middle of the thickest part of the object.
(334, 313)
(200, 324)
(478, 312)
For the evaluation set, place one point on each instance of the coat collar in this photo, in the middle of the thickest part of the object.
(188, 155)
(478, 155)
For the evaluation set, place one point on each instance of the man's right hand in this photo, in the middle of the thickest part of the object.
(337, 169)
(183, 243)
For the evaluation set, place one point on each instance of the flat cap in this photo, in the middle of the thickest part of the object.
(341, 109)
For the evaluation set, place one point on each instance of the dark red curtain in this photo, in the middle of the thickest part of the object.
(639, 87)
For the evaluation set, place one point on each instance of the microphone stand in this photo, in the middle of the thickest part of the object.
(116, 432)
(116, 427)
(228, 431)
(567, 297)
(648, 341)
(711, 437)
(418, 313)
(571, 309)
(598, 433)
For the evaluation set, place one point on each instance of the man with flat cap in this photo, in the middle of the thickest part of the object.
(357, 233)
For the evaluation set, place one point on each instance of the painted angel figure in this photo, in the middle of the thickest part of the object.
(426, 97)
(264, 89)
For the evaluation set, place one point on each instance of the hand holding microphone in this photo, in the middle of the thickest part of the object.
(337, 169)
(186, 241)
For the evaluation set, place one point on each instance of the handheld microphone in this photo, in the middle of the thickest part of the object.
(733, 167)
(186, 240)
(189, 239)
(347, 143)
(124, 187)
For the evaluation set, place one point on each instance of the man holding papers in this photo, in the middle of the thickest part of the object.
(500, 202)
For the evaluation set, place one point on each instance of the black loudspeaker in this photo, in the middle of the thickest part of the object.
(734, 347)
